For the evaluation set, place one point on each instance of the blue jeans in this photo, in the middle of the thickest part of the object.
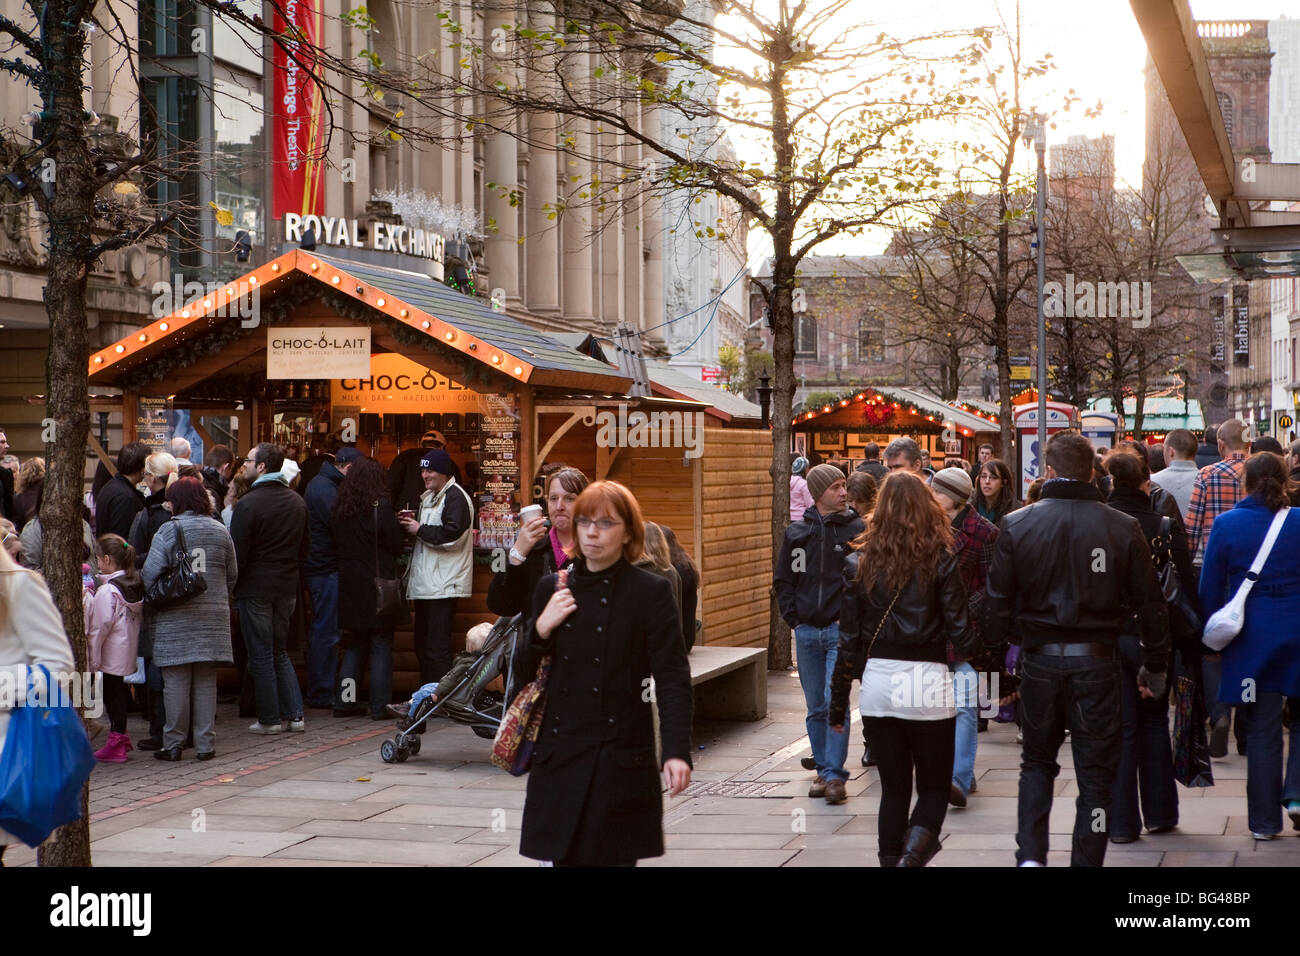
(421, 695)
(817, 648)
(1145, 793)
(264, 622)
(966, 690)
(378, 647)
(1266, 790)
(323, 644)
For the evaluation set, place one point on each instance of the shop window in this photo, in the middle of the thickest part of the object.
(805, 337)
(239, 156)
(170, 118)
(166, 28)
(871, 345)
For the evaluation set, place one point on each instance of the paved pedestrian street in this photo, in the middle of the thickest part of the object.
(324, 797)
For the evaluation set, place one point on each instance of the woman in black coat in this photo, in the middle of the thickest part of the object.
(1146, 758)
(594, 793)
(689, 575)
(368, 539)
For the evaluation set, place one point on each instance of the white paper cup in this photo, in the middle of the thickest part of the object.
(529, 512)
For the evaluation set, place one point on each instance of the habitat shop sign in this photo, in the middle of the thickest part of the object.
(384, 236)
(320, 352)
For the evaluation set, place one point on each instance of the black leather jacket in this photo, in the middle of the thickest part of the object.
(923, 618)
(1069, 569)
(808, 584)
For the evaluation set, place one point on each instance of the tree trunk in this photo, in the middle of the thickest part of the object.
(1139, 400)
(71, 211)
(782, 312)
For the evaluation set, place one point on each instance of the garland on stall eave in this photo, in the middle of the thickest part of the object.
(887, 399)
(220, 336)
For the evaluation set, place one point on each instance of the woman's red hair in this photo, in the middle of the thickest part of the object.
(613, 499)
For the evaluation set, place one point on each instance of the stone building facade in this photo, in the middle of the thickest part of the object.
(505, 202)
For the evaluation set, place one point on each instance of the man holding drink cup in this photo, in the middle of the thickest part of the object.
(442, 564)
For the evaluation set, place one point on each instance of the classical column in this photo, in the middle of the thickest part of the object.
(542, 244)
(611, 225)
(578, 260)
(632, 204)
(653, 311)
(501, 161)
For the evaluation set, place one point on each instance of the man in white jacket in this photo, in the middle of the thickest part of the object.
(442, 565)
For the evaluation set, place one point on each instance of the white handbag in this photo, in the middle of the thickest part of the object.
(1225, 623)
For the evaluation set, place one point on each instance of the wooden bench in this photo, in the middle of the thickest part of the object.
(730, 682)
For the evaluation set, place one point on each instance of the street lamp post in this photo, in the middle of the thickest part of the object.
(764, 397)
(1036, 133)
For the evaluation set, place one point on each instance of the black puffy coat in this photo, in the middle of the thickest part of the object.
(808, 584)
(594, 792)
(116, 506)
(354, 543)
(147, 522)
(1137, 504)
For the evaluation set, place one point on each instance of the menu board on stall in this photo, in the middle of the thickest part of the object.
(499, 477)
(152, 423)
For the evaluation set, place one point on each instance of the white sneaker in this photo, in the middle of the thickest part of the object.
(1030, 863)
(261, 728)
(1264, 836)
(297, 726)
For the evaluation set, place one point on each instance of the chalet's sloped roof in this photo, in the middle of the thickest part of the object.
(414, 299)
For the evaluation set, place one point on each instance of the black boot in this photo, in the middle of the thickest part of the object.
(886, 860)
(919, 847)
(868, 758)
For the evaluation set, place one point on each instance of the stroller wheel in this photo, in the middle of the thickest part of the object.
(413, 745)
(388, 751)
(402, 753)
(487, 733)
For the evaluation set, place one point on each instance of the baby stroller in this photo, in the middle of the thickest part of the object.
(461, 694)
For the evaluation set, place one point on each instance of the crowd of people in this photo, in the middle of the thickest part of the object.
(1082, 604)
(924, 585)
(264, 542)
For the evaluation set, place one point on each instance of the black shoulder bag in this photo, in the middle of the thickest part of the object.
(179, 581)
(388, 591)
(1184, 622)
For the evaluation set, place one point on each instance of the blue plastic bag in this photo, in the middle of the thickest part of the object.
(47, 758)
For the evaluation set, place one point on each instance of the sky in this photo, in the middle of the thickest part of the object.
(1098, 50)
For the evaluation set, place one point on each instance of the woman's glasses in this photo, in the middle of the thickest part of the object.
(604, 524)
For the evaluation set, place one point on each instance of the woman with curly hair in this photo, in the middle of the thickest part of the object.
(903, 600)
(31, 478)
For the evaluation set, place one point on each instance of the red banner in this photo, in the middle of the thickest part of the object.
(298, 124)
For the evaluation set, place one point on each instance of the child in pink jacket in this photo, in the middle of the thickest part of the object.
(113, 635)
(800, 498)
